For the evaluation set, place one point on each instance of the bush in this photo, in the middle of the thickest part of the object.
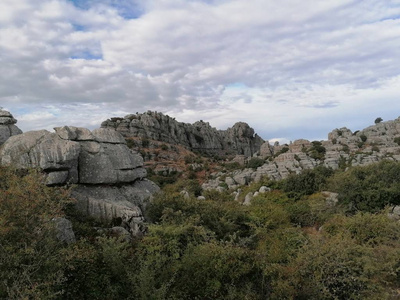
(307, 182)
(363, 138)
(255, 162)
(317, 151)
(368, 188)
(378, 120)
(30, 255)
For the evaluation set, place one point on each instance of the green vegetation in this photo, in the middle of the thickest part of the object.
(378, 120)
(317, 151)
(255, 162)
(288, 244)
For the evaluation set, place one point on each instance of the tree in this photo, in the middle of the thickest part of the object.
(378, 120)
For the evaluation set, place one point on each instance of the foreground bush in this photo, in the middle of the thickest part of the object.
(29, 251)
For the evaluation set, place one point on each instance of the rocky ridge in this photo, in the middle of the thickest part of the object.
(343, 148)
(199, 136)
(109, 178)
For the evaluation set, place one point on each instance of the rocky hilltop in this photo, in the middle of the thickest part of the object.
(199, 136)
(343, 148)
(109, 178)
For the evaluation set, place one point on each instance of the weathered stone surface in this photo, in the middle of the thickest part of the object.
(248, 198)
(110, 178)
(239, 139)
(394, 213)
(7, 127)
(107, 135)
(64, 230)
(57, 178)
(266, 150)
(74, 133)
(44, 150)
(342, 149)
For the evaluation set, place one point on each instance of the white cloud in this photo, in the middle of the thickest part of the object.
(290, 69)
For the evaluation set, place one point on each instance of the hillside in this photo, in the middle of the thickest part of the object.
(322, 230)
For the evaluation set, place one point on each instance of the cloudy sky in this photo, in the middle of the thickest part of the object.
(290, 68)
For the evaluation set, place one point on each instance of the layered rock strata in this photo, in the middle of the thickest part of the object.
(200, 136)
(343, 148)
(7, 126)
(109, 177)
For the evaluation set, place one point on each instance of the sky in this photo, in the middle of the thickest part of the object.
(291, 69)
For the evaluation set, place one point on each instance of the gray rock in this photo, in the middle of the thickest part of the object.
(74, 133)
(121, 233)
(64, 230)
(331, 199)
(185, 194)
(240, 139)
(7, 127)
(57, 178)
(248, 198)
(107, 135)
(394, 213)
(264, 189)
(201, 198)
(110, 178)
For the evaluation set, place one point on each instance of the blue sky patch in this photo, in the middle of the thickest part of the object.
(127, 9)
(87, 55)
(237, 85)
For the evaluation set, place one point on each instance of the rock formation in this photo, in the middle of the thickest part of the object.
(7, 126)
(200, 136)
(343, 148)
(109, 177)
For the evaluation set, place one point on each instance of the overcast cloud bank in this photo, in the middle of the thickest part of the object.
(291, 69)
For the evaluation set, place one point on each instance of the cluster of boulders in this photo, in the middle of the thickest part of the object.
(343, 148)
(199, 136)
(7, 126)
(109, 178)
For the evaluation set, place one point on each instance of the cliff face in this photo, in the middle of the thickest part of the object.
(240, 139)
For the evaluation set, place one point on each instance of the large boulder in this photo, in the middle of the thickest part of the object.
(109, 178)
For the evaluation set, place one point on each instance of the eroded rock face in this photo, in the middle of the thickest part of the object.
(109, 177)
(7, 126)
(343, 148)
(239, 139)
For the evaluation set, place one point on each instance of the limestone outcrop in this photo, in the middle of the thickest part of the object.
(109, 177)
(7, 126)
(343, 148)
(239, 139)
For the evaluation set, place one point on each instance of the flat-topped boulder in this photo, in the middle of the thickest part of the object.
(109, 178)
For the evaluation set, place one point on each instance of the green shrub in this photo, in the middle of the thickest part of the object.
(363, 138)
(30, 255)
(307, 182)
(368, 188)
(255, 162)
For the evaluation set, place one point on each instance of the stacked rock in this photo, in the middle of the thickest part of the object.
(7, 126)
